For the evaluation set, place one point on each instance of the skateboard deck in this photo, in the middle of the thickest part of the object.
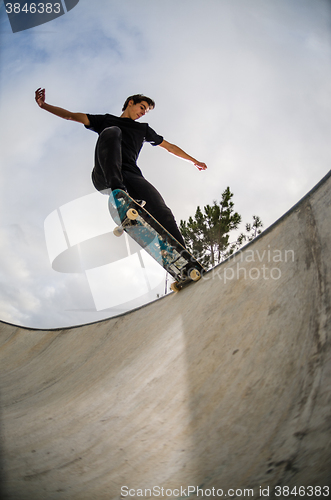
(141, 226)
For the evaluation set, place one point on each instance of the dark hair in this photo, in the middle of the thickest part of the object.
(139, 98)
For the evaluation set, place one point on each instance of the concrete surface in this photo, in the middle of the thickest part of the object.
(224, 385)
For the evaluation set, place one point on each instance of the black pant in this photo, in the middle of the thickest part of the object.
(108, 173)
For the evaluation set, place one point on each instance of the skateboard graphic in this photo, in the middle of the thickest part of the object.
(154, 239)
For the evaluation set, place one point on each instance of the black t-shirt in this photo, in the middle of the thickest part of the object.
(134, 134)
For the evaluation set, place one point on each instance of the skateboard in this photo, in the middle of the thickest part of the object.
(140, 225)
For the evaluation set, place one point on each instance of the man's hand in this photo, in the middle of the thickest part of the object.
(175, 150)
(200, 165)
(62, 113)
(40, 97)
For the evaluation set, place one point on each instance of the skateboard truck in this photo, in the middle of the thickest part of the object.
(192, 275)
(131, 215)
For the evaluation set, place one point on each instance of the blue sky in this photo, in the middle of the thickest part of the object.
(243, 85)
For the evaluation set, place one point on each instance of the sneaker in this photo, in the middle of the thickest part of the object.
(142, 203)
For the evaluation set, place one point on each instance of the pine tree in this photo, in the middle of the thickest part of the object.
(207, 235)
(252, 230)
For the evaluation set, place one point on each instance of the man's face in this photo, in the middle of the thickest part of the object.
(136, 111)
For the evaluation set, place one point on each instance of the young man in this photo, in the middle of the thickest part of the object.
(120, 141)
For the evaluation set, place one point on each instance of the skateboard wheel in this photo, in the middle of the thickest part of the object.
(132, 214)
(175, 287)
(195, 275)
(118, 231)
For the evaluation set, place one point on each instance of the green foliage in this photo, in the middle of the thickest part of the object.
(207, 234)
(252, 230)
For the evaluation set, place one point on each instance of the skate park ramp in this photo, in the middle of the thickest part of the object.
(225, 386)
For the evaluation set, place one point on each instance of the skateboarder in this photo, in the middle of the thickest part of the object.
(120, 141)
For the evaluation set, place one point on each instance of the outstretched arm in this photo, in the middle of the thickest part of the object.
(175, 150)
(62, 113)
